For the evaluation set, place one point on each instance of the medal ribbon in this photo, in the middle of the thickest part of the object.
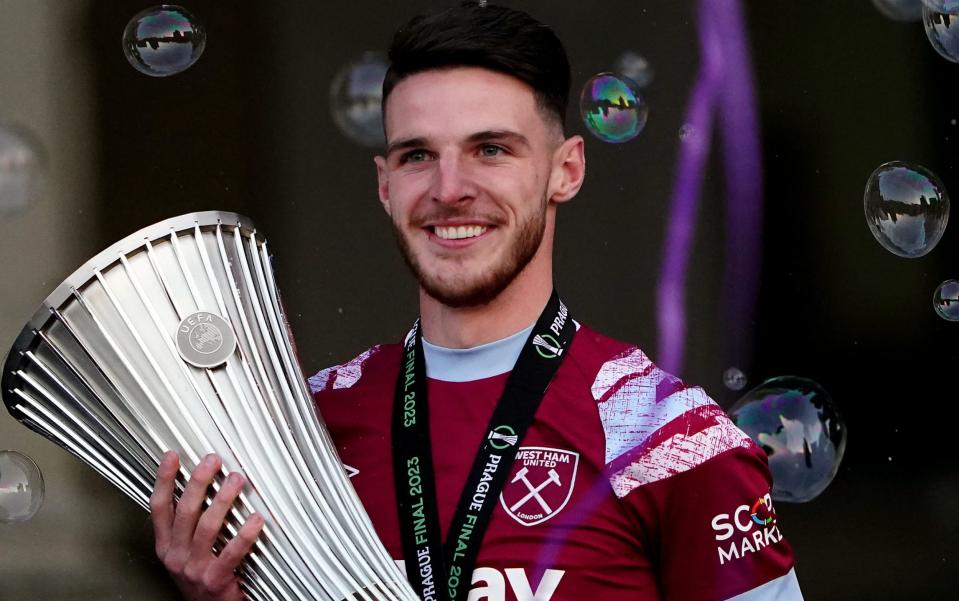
(444, 573)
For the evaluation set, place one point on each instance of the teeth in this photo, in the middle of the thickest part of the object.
(460, 232)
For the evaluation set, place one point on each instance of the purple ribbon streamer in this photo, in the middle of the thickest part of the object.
(724, 79)
(681, 225)
(742, 156)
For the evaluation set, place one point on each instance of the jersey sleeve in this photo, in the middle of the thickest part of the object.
(695, 486)
(701, 496)
(341, 376)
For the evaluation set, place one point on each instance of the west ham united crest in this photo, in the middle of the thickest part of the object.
(540, 484)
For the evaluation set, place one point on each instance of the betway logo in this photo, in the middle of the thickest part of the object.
(489, 584)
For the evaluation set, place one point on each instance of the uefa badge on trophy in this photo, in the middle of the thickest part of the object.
(174, 338)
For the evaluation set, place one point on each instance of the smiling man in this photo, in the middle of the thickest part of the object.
(471, 179)
(505, 451)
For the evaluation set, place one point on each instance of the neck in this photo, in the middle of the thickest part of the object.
(519, 305)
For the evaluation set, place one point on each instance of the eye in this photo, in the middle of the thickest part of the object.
(414, 156)
(491, 150)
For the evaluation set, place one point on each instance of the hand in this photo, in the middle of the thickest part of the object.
(185, 535)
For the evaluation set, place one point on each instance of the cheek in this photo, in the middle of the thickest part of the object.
(402, 197)
(516, 188)
(408, 187)
(536, 185)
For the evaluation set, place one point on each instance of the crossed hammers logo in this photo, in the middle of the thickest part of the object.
(553, 478)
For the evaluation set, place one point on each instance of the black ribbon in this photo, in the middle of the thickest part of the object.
(444, 573)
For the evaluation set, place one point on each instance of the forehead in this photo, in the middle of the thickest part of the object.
(456, 102)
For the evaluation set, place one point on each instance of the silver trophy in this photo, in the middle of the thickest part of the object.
(175, 338)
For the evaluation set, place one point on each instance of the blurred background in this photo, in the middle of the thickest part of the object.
(841, 89)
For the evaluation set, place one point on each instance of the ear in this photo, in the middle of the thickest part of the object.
(568, 170)
(382, 183)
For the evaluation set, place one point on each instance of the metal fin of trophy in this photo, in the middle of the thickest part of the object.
(174, 338)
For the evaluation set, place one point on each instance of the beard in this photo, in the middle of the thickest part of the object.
(470, 291)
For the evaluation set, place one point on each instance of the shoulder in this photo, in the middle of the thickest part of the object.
(656, 426)
(696, 486)
(371, 365)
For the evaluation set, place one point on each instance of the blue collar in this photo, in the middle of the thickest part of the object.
(468, 364)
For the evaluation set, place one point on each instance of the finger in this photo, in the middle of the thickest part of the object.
(212, 519)
(161, 501)
(191, 501)
(222, 570)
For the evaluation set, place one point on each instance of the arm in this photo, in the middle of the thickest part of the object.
(716, 532)
(185, 535)
(696, 487)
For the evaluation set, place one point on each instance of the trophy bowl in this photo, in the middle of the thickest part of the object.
(175, 338)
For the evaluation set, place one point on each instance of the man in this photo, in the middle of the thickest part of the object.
(550, 462)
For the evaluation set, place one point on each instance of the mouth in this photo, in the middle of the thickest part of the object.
(458, 232)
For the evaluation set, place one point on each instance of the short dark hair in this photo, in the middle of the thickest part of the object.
(484, 35)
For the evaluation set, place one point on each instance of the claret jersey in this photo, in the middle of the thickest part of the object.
(629, 485)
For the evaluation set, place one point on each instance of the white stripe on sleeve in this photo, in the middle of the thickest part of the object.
(784, 588)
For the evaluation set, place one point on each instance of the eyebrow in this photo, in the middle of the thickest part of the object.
(481, 136)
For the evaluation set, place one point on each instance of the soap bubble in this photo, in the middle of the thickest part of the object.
(946, 300)
(943, 6)
(635, 67)
(163, 40)
(734, 379)
(22, 162)
(943, 32)
(612, 108)
(355, 97)
(900, 10)
(796, 422)
(21, 487)
(907, 208)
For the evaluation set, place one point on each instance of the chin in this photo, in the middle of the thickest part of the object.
(482, 278)
(476, 292)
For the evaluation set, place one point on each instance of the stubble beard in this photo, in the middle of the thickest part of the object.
(482, 288)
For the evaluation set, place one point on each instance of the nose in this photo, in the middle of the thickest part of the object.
(452, 182)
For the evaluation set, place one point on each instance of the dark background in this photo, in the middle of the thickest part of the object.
(841, 89)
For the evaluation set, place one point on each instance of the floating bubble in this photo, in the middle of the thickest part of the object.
(21, 487)
(163, 40)
(796, 422)
(612, 108)
(22, 162)
(907, 208)
(900, 10)
(734, 379)
(636, 68)
(687, 132)
(942, 6)
(942, 29)
(355, 97)
(946, 300)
